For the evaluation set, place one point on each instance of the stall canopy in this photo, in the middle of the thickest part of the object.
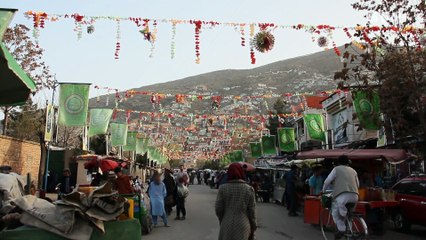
(16, 85)
(391, 155)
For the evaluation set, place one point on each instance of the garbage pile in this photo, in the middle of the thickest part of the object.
(75, 216)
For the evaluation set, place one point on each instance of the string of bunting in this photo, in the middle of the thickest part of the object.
(260, 34)
(171, 115)
(181, 97)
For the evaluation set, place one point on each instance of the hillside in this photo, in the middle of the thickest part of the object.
(307, 73)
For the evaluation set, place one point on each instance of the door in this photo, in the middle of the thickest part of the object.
(418, 192)
(412, 196)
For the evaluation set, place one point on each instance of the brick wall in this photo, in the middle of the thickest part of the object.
(22, 156)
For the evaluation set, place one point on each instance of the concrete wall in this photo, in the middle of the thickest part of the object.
(22, 156)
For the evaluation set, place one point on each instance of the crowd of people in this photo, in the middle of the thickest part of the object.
(238, 193)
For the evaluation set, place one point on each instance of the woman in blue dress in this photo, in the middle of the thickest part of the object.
(157, 193)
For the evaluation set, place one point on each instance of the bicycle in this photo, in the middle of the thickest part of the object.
(356, 227)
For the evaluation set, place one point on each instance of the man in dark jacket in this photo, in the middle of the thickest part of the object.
(170, 183)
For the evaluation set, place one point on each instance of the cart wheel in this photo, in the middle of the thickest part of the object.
(147, 224)
(400, 223)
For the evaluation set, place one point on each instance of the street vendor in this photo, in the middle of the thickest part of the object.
(123, 182)
(316, 181)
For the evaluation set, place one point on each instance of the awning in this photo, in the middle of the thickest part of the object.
(16, 85)
(391, 155)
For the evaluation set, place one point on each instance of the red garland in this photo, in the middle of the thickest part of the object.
(252, 56)
(336, 49)
(198, 25)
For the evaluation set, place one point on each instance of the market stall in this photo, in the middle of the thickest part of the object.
(374, 202)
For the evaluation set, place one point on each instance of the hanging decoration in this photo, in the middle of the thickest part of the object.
(198, 25)
(263, 41)
(173, 43)
(117, 37)
(153, 38)
(252, 54)
(243, 38)
(90, 29)
(322, 41)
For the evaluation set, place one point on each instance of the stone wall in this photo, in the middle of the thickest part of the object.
(22, 156)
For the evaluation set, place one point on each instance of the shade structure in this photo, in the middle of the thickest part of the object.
(105, 165)
(391, 155)
(16, 85)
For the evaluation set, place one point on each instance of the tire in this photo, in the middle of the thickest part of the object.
(400, 223)
(146, 225)
(359, 229)
(327, 224)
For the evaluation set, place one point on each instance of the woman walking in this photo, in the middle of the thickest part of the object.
(236, 207)
(157, 193)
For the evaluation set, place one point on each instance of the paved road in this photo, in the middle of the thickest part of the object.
(274, 224)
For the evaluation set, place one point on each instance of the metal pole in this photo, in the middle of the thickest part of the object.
(46, 173)
(106, 144)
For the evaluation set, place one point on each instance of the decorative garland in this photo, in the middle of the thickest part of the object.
(181, 98)
(263, 41)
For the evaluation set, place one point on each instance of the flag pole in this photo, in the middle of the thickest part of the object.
(46, 171)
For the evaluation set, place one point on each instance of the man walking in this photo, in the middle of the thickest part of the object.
(170, 183)
(181, 192)
(345, 190)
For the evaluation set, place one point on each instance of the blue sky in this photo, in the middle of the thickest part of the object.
(91, 59)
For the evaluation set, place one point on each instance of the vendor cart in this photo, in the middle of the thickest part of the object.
(113, 230)
(374, 203)
(140, 211)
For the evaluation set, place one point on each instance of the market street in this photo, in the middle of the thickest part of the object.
(274, 224)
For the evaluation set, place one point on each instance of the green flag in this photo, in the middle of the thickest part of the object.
(286, 139)
(238, 156)
(141, 145)
(130, 142)
(73, 104)
(367, 107)
(315, 125)
(268, 145)
(256, 149)
(118, 134)
(99, 120)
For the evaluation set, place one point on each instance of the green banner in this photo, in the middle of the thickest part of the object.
(367, 107)
(73, 104)
(256, 149)
(286, 139)
(238, 156)
(50, 119)
(118, 134)
(315, 125)
(141, 145)
(268, 145)
(131, 141)
(99, 121)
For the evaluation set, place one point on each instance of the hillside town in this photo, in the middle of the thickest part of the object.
(155, 140)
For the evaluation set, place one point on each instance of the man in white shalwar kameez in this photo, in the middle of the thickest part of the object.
(345, 190)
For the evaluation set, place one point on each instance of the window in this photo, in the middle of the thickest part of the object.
(418, 188)
(402, 187)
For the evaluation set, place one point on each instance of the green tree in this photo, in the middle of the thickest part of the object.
(27, 122)
(394, 62)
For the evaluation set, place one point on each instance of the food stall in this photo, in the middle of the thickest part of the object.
(369, 163)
